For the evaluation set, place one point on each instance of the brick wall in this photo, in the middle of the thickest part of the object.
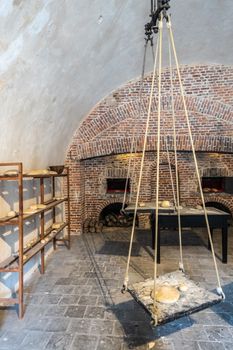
(101, 143)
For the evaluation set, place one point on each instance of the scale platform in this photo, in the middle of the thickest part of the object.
(190, 301)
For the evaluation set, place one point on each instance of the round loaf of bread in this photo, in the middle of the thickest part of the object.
(11, 214)
(166, 295)
(165, 204)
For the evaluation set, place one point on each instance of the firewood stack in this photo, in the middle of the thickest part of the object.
(92, 225)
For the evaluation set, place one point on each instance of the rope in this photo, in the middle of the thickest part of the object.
(158, 160)
(134, 139)
(181, 264)
(154, 56)
(170, 172)
(219, 289)
(140, 175)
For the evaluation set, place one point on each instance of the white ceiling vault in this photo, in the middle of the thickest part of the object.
(58, 58)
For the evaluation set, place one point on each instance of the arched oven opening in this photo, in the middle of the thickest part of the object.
(112, 216)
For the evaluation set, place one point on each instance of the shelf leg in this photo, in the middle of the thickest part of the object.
(54, 244)
(21, 231)
(42, 223)
(54, 212)
(68, 204)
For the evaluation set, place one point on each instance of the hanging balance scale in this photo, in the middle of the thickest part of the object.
(172, 295)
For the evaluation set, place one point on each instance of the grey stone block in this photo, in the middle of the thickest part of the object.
(211, 346)
(218, 334)
(101, 327)
(56, 310)
(88, 300)
(12, 339)
(80, 326)
(60, 341)
(110, 343)
(35, 340)
(86, 342)
(75, 311)
(94, 312)
(57, 324)
(69, 300)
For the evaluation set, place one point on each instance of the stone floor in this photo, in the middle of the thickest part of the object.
(78, 304)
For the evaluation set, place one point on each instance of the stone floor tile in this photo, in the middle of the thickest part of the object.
(12, 339)
(60, 341)
(86, 342)
(57, 324)
(201, 318)
(186, 345)
(94, 312)
(35, 340)
(32, 298)
(83, 290)
(51, 299)
(75, 311)
(80, 326)
(101, 327)
(211, 346)
(218, 334)
(87, 300)
(63, 289)
(69, 300)
(39, 324)
(56, 310)
(64, 281)
(194, 333)
(118, 329)
(140, 344)
(221, 319)
(107, 343)
(35, 310)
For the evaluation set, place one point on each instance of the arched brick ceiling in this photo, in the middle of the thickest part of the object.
(59, 58)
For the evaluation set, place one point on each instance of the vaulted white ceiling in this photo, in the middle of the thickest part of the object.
(58, 58)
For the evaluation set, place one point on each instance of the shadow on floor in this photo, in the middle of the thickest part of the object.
(224, 311)
(136, 326)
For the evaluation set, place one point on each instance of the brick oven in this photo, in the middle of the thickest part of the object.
(99, 152)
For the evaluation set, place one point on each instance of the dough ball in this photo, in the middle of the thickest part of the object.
(142, 204)
(183, 287)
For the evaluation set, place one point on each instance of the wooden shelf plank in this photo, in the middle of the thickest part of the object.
(6, 221)
(15, 221)
(42, 176)
(49, 206)
(10, 301)
(8, 178)
(51, 234)
(7, 265)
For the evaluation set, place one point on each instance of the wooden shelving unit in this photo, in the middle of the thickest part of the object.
(16, 262)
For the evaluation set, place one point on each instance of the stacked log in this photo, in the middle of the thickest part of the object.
(118, 220)
(93, 226)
